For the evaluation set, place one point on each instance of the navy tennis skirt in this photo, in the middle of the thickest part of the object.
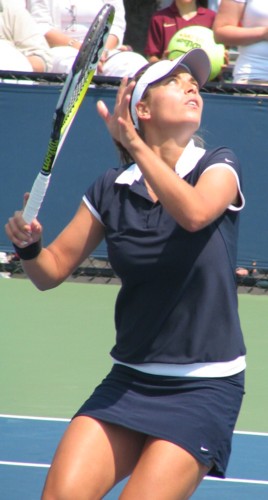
(198, 414)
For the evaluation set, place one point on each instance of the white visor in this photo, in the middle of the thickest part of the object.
(196, 61)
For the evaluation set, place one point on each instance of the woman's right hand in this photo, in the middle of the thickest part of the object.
(20, 233)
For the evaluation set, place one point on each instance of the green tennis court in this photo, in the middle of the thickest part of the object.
(55, 348)
(54, 345)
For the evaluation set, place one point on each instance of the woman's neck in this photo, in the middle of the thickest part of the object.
(169, 146)
(169, 153)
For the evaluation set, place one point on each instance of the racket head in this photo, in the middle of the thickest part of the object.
(94, 41)
(77, 82)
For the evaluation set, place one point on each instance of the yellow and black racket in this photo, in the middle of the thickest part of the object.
(71, 97)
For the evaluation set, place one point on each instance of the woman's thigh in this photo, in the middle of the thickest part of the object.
(91, 458)
(165, 471)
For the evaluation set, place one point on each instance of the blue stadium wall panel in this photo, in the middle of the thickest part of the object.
(237, 121)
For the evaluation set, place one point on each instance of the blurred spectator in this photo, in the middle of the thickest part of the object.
(214, 4)
(64, 24)
(162, 4)
(22, 47)
(244, 24)
(166, 22)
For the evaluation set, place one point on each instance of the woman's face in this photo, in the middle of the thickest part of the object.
(173, 101)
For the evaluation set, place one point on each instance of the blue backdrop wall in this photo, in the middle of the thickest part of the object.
(237, 121)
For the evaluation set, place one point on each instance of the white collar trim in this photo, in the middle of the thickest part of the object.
(130, 175)
(189, 158)
(185, 164)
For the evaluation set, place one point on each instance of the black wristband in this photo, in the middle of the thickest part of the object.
(29, 252)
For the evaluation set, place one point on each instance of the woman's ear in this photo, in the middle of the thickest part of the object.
(143, 110)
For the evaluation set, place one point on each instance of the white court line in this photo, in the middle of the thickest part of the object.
(54, 419)
(24, 464)
(208, 478)
(248, 433)
(25, 417)
(236, 480)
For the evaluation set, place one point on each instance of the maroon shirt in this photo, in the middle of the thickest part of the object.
(166, 22)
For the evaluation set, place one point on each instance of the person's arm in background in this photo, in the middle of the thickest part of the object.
(23, 30)
(227, 26)
(47, 16)
(119, 25)
(57, 38)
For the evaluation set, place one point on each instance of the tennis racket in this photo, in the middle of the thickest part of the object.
(71, 97)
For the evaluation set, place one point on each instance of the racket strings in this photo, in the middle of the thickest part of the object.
(86, 64)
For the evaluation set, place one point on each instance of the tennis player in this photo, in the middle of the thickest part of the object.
(165, 414)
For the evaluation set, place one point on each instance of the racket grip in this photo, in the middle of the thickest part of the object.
(36, 197)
